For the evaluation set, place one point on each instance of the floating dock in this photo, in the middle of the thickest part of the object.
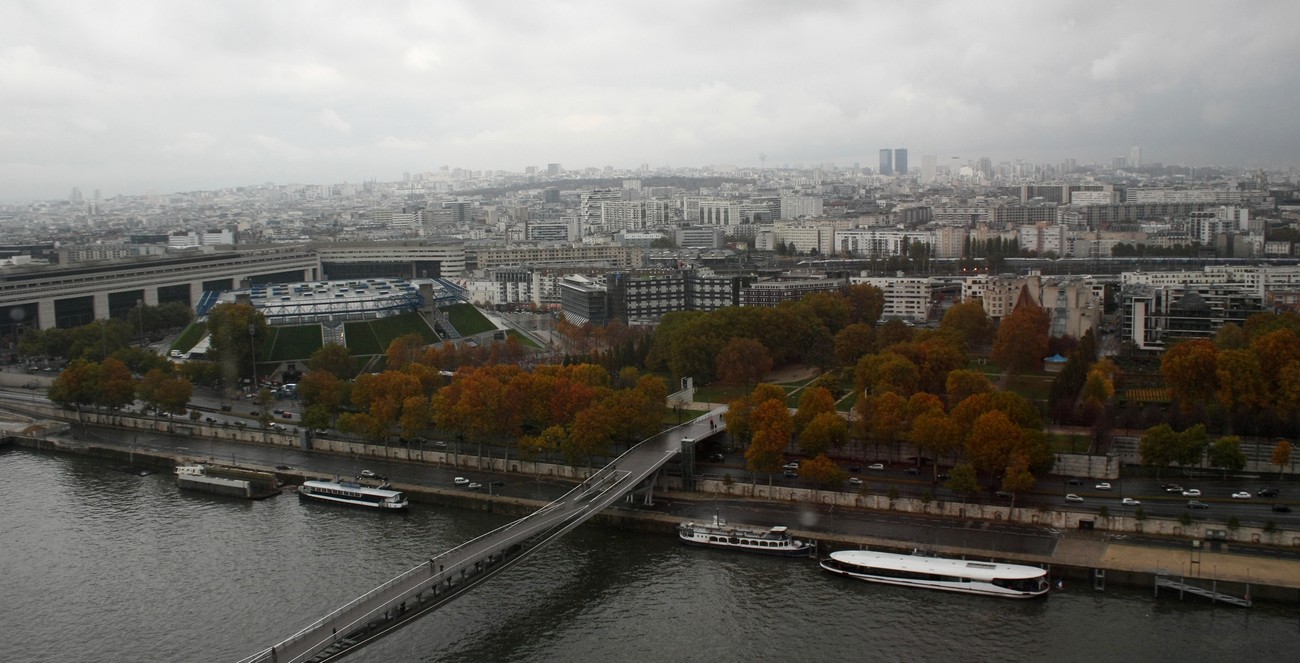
(228, 481)
(1212, 593)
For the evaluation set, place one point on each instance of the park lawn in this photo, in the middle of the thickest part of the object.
(721, 393)
(361, 339)
(298, 342)
(1064, 443)
(524, 340)
(190, 337)
(467, 320)
(390, 328)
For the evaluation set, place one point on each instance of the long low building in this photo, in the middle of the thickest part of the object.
(45, 297)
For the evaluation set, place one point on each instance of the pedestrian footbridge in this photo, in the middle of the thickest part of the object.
(450, 574)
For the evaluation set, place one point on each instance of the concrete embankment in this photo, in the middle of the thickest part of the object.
(1078, 556)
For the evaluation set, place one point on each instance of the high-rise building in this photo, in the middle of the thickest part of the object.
(886, 162)
(900, 161)
(929, 167)
(1135, 156)
(553, 169)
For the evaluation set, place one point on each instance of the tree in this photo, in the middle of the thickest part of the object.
(813, 402)
(866, 303)
(992, 439)
(743, 361)
(1021, 341)
(333, 358)
(887, 418)
(934, 433)
(1018, 478)
(970, 321)
(404, 350)
(772, 428)
(964, 383)
(232, 345)
(1159, 447)
(962, 480)
(1230, 337)
(1225, 453)
(827, 430)
(76, 386)
(1281, 455)
(823, 472)
(853, 343)
(1190, 369)
(115, 387)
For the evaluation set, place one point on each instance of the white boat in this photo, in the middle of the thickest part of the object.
(951, 575)
(773, 541)
(350, 493)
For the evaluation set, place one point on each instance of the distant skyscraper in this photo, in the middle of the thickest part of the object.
(929, 167)
(886, 162)
(553, 169)
(900, 161)
(1135, 156)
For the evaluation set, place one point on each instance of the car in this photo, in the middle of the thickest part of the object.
(288, 415)
(1073, 481)
(1266, 492)
(1102, 486)
(911, 470)
(225, 408)
(876, 466)
(1129, 501)
(369, 474)
(440, 444)
(1073, 498)
(277, 411)
(283, 467)
(254, 413)
(854, 481)
(210, 420)
(1191, 492)
(855, 468)
(790, 466)
(1281, 508)
(943, 476)
(1002, 494)
(1241, 495)
(1172, 488)
(474, 486)
(790, 474)
(1197, 504)
(460, 481)
(717, 458)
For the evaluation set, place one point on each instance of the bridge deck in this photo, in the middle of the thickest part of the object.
(449, 574)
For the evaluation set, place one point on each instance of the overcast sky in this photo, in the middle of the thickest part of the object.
(135, 97)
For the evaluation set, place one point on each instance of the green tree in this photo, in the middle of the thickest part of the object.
(1191, 445)
(1159, 447)
(334, 359)
(866, 303)
(237, 332)
(962, 480)
(1225, 453)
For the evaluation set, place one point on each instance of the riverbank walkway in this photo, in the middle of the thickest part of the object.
(447, 575)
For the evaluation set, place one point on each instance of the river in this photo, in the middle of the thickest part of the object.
(100, 565)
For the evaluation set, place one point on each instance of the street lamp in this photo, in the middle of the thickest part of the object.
(252, 354)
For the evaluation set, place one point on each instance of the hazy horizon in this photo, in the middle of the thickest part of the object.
(147, 96)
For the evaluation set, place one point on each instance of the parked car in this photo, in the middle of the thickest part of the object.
(1191, 492)
(369, 474)
(1267, 492)
(460, 481)
(1102, 486)
(1197, 504)
(1281, 508)
(225, 407)
(1129, 501)
(1241, 495)
(1073, 498)
(854, 481)
(876, 466)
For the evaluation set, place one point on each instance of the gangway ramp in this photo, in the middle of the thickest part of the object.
(447, 575)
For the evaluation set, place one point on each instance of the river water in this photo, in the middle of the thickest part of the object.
(99, 565)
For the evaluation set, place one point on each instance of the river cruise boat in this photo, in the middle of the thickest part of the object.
(350, 493)
(1013, 581)
(774, 541)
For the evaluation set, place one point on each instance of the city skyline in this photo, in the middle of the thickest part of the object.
(137, 97)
